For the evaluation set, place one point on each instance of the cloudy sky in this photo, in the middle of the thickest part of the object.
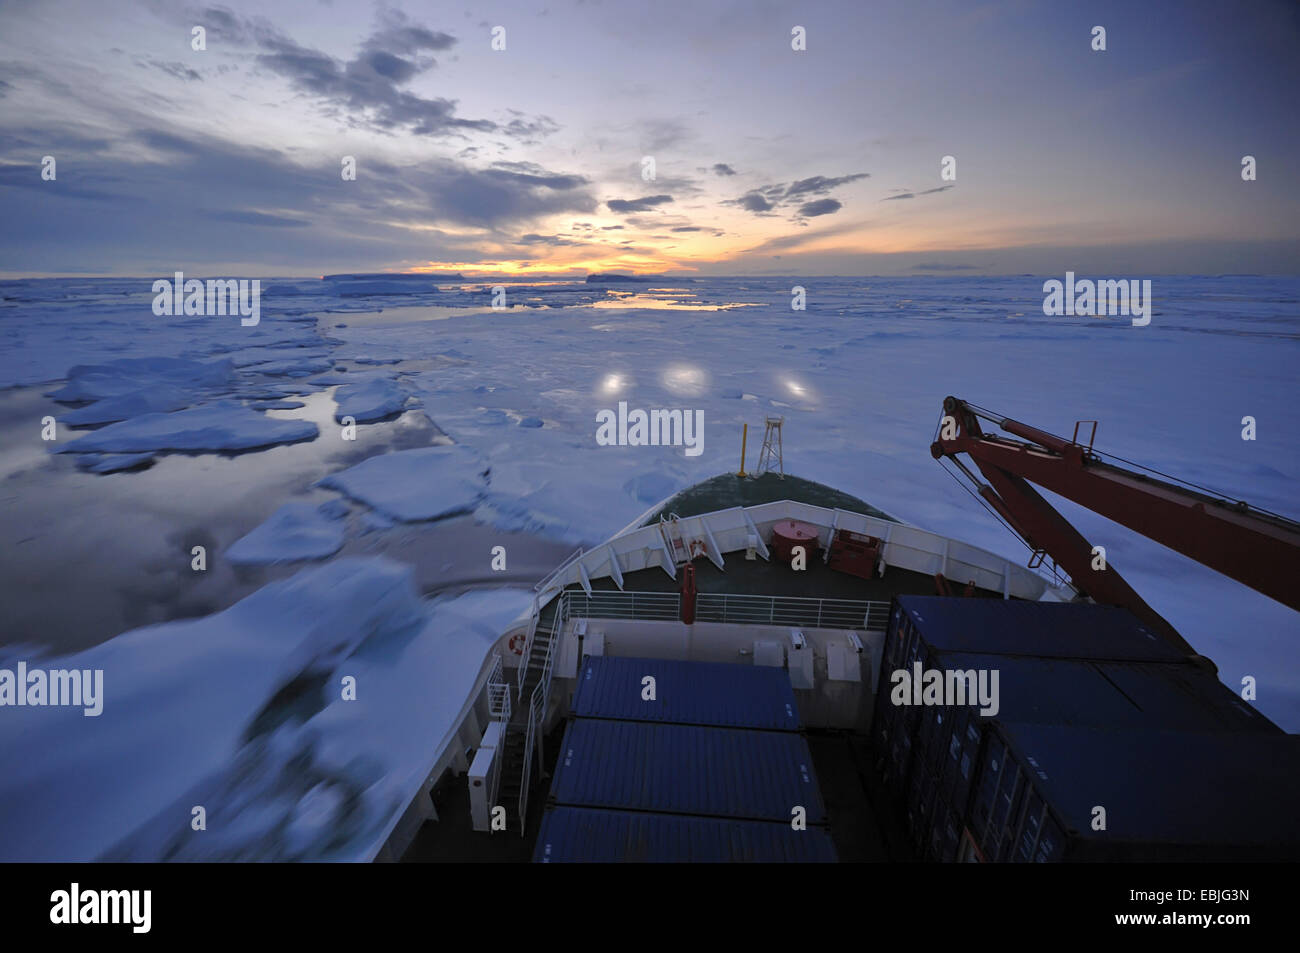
(767, 160)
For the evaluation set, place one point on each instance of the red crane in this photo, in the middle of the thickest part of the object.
(1259, 549)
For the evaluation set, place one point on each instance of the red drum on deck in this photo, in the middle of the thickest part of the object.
(788, 534)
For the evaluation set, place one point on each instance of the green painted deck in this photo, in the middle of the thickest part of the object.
(759, 577)
(728, 490)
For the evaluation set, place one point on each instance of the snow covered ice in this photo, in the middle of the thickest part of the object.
(859, 377)
(424, 484)
(294, 532)
(370, 399)
(223, 425)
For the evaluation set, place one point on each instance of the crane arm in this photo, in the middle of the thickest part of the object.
(1257, 549)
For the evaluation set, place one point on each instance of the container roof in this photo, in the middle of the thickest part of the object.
(1167, 787)
(1022, 627)
(1152, 695)
(586, 834)
(682, 769)
(719, 694)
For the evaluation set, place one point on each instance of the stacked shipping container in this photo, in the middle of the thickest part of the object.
(968, 788)
(683, 761)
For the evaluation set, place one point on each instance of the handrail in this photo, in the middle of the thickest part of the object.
(538, 704)
(725, 607)
(529, 741)
(577, 554)
(494, 778)
(498, 691)
(664, 606)
(792, 610)
(522, 671)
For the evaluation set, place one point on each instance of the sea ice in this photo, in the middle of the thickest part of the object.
(178, 700)
(334, 787)
(111, 462)
(423, 484)
(369, 400)
(651, 487)
(294, 367)
(152, 400)
(222, 425)
(294, 532)
(133, 374)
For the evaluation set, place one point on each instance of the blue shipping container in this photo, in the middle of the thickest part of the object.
(592, 835)
(1168, 795)
(1017, 627)
(689, 693)
(1150, 695)
(682, 769)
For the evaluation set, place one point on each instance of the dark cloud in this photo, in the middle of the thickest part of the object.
(554, 240)
(722, 168)
(646, 204)
(526, 173)
(657, 134)
(228, 27)
(257, 218)
(531, 130)
(400, 36)
(139, 214)
(688, 228)
(819, 207)
(366, 87)
(26, 175)
(167, 142)
(753, 202)
(768, 198)
(941, 266)
(912, 195)
(820, 184)
(367, 84)
(171, 68)
(611, 228)
(492, 197)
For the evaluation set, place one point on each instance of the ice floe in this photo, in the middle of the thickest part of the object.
(422, 484)
(294, 532)
(112, 462)
(331, 782)
(159, 399)
(370, 399)
(179, 699)
(133, 375)
(220, 426)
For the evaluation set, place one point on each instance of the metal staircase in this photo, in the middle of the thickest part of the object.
(522, 743)
(683, 550)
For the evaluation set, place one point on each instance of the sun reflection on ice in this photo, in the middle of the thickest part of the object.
(685, 380)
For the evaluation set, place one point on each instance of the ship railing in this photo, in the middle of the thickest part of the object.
(531, 739)
(539, 707)
(649, 606)
(522, 672)
(792, 610)
(494, 779)
(498, 691)
(731, 608)
(577, 554)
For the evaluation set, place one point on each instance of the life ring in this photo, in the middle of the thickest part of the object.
(517, 643)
